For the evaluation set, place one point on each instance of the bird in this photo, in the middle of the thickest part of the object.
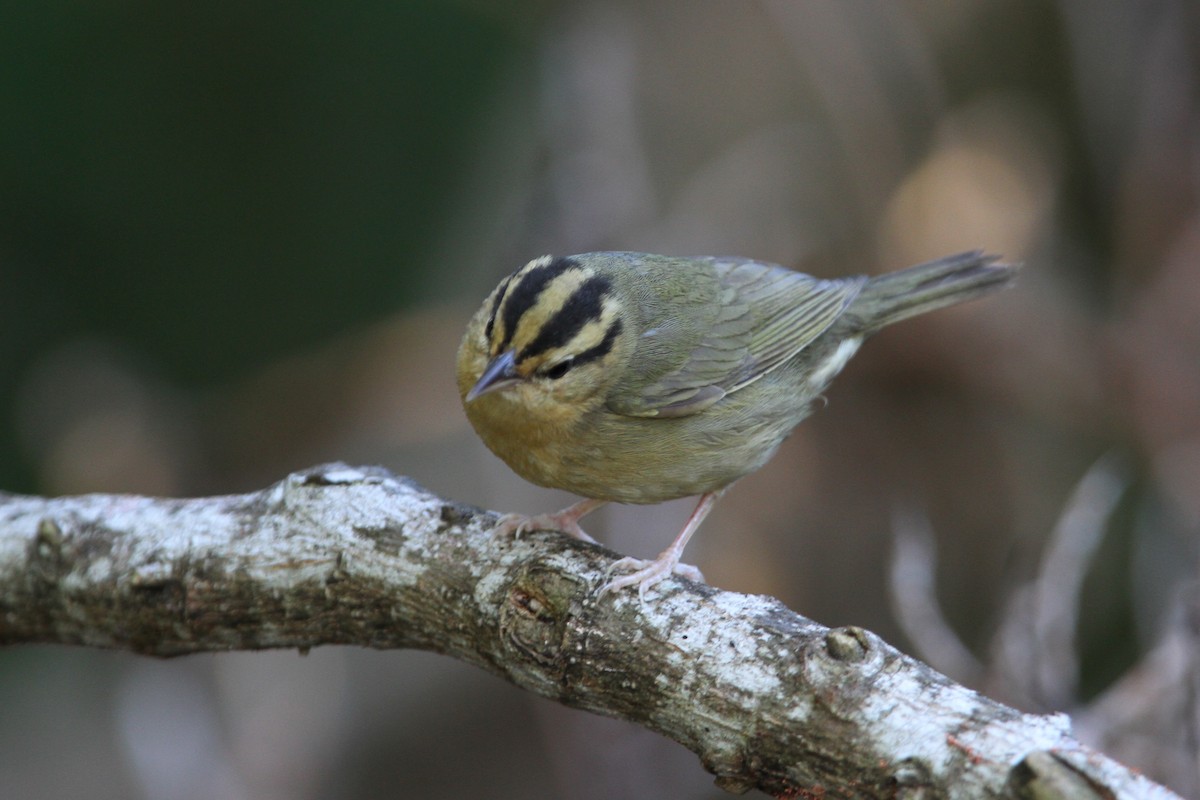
(639, 378)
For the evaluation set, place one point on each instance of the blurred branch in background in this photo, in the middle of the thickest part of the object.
(1149, 715)
(237, 239)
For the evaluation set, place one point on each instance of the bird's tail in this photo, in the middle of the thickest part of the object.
(954, 279)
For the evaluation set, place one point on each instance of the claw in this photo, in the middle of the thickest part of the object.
(513, 525)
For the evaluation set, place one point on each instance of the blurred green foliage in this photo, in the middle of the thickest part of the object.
(215, 184)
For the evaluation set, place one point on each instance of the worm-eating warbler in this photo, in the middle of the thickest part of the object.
(640, 378)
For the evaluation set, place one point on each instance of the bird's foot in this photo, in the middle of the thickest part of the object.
(516, 524)
(565, 521)
(647, 573)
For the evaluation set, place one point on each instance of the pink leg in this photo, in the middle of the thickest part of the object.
(565, 521)
(649, 573)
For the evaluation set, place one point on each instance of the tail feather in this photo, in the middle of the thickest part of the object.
(955, 279)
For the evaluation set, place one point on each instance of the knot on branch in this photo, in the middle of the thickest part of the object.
(535, 615)
(849, 644)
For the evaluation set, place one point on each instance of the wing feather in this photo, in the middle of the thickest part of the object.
(763, 316)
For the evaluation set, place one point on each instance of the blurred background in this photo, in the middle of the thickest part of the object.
(241, 238)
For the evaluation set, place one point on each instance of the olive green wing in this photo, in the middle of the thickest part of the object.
(755, 317)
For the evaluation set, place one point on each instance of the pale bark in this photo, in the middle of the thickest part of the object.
(342, 555)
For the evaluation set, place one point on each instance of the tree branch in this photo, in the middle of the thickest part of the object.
(341, 555)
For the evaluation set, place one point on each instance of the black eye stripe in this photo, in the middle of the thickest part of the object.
(525, 294)
(583, 306)
(602, 349)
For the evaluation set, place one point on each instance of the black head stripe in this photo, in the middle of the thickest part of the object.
(491, 323)
(583, 306)
(602, 349)
(525, 294)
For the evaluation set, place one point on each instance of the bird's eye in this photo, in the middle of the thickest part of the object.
(556, 371)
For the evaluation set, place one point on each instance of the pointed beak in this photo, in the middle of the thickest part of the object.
(499, 373)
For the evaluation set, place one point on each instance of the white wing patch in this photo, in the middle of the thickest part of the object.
(824, 372)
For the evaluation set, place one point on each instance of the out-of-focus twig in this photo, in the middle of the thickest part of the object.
(1036, 643)
(912, 583)
(1157, 701)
